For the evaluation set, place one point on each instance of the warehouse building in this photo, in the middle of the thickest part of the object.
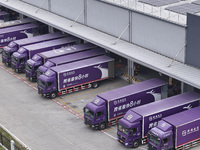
(159, 35)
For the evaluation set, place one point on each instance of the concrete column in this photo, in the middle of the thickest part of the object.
(21, 16)
(130, 70)
(85, 12)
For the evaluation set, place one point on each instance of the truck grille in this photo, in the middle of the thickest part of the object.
(88, 121)
(121, 137)
(27, 74)
(151, 147)
(3, 60)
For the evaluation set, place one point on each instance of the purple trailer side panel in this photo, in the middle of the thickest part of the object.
(77, 56)
(186, 126)
(48, 45)
(79, 72)
(68, 50)
(17, 32)
(40, 38)
(120, 106)
(16, 22)
(154, 112)
(83, 75)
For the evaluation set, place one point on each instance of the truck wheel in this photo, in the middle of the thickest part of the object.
(102, 126)
(53, 95)
(95, 85)
(136, 143)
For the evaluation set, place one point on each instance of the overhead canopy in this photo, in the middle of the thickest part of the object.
(179, 71)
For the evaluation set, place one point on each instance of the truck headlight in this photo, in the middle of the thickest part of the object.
(126, 144)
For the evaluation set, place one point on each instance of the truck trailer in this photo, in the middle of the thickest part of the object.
(13, 46)
(107, 108)
(16, 22)
(19, 58)
(134, 126)
(180, 131)
(51, 62)
(75, 76)
(40, 58)
(69, 58)
(17, 32)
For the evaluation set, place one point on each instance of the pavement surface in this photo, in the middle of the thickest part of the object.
(44, 124)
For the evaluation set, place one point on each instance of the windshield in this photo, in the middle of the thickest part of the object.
(154, 139)
(28, 67)
(89, 113)
(4, 53)
(14, 59)
(123, 129)
(39, 72)
(41, 83)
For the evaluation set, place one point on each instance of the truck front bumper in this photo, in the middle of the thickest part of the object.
(41, 92)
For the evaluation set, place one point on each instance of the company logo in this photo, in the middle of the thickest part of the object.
(129, 117)
(151, 118)
(163, 125)
(68, 73)
(96, 101)
(189, 131)
(188, 107)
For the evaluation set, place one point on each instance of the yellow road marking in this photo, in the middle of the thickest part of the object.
(68, 106)
(111, 128)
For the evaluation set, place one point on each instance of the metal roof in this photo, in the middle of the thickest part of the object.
(179, 71)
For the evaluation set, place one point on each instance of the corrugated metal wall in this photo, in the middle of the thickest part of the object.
(68, 8)
(152, 33)
(38, 3)
(107, 18)
(158, 35)
(193, 40)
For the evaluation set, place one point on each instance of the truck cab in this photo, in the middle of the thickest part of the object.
(32, 66)
(18, 60)
(95, 114)
(47, 85)
(7, 52)
(42, 69)
(161, 137)
(129, 130)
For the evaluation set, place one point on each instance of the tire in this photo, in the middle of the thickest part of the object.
(136, 143)
(95, 85)
(53, 95)
(102, 126)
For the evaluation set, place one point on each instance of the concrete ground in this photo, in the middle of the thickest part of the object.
(44, 124)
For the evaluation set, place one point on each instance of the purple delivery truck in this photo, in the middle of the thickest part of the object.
(17, 32)
(107, 108)
(40, 58)
(69, 58)
(134, 126)
(33, 63)
(75, 76)
(19, 58)
(15, 45)
(54, 61)
(180, 131)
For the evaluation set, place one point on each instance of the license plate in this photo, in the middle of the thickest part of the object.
(121, 141)
(88, 125)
